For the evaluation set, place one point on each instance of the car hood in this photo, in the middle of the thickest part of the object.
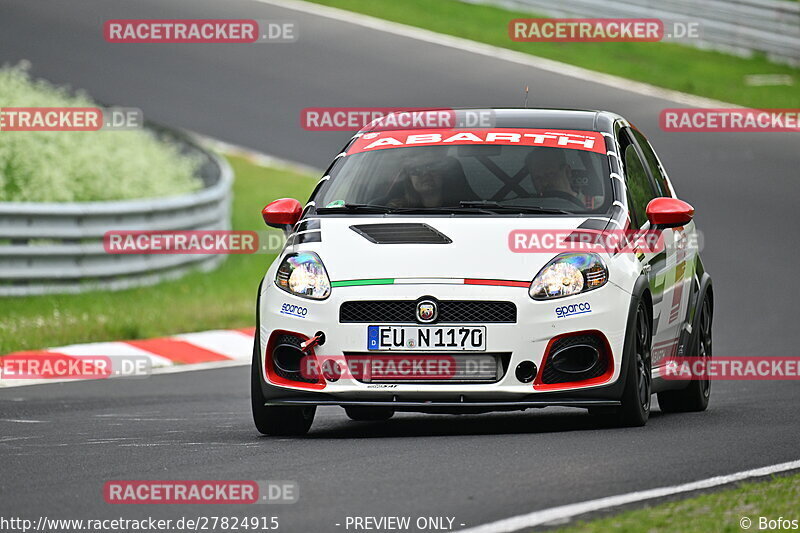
(479, 247)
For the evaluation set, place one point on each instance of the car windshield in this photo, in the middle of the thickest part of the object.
(469, 178)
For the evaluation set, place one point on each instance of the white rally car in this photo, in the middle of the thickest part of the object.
(438, 270)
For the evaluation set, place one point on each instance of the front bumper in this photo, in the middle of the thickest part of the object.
(526, 340)
(440, 406)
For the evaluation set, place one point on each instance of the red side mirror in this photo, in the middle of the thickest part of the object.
(669, 212)
(283, 213)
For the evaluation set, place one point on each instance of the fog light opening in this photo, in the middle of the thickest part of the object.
(331, 370)
(526, 371)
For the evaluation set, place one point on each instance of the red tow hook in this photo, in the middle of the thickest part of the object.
(316, 340)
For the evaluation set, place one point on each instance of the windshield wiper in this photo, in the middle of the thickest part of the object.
(490, 205)
(350, 208)
(384, 209)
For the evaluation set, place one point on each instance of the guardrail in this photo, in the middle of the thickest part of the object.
(771, 27)
(58, 247)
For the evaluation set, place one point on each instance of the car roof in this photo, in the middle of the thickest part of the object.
(544, 118)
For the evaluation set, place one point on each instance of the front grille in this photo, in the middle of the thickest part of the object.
(450, 311)
(551, 375)
(470, 311)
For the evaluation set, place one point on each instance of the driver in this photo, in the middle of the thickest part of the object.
(550, 173)
(421, 184)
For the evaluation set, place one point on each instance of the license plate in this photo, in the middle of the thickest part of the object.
(413, 338)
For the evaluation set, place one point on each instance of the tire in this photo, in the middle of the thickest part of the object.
(695, 397)
(637, 394)
(369, 414)
(275, 419)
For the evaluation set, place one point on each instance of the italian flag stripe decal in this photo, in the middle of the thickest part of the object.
(354, 282)
(425, 281)
(497, 282)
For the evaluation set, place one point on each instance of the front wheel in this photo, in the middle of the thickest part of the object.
(636, 396)
(695, 397)
(276, 419)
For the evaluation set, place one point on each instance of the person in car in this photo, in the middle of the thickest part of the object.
(551, 174)
(430, 182)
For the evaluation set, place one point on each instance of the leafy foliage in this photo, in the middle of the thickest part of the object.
(40, 166)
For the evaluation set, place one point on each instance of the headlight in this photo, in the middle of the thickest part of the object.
(569, 274)
(304, 275)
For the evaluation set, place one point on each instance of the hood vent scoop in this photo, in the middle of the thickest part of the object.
(401, 233)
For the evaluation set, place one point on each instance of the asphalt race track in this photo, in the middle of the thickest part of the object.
(59, 443)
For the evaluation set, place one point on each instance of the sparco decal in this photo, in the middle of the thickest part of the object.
(294, 310)
(573, 309)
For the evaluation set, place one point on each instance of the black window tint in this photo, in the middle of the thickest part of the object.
(652, 162)
(457, 173)
(640, 189)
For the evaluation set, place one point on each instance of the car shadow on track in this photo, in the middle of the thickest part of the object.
(422, 425)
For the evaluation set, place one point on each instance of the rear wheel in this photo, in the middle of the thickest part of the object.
(275, 419)
(695, 397)
(369, 414)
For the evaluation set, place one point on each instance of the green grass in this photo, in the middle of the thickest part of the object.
(718, 511)
(705, 73)
(224, 298)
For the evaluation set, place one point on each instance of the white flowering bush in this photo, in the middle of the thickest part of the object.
(82, 166)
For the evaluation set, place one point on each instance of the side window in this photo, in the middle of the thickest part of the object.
(640, 189)
(652, 161)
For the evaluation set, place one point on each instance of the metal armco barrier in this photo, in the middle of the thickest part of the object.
(771, 27)
(58, 247)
